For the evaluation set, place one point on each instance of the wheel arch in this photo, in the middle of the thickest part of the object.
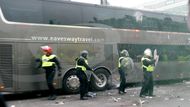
(67, 71)
(99, 67)
(103, 67)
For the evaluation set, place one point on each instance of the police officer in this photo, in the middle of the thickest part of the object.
(125, 65)
(81, 67)
(148, 65)
(48, 63)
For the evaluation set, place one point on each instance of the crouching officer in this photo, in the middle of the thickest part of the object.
(81, 67)
(148, 65)
(125, 65)
(48, 63)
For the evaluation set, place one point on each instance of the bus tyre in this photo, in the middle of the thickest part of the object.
(70, 82)
(104, 76)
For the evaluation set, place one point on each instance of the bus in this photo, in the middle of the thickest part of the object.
(20, 46)
(64, 12)
(20, 43)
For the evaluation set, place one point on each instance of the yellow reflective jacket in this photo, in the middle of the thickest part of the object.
(150, 67)
(46, 60)
(82, 67)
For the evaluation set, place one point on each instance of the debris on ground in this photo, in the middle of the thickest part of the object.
(186, 82)
(166, 98)
(92, 94)
(134, 104)
(143, 101)
(109, 93)
(59, 102)
(116, 99)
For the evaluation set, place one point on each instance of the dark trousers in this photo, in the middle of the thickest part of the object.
(122, 80)
(50, 73)
(83, 82)
(147, 86)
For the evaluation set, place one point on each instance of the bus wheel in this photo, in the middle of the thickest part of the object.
(104, 76)
(70, 82)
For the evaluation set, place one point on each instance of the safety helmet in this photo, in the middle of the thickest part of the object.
(84, 54)
(47, 49)
(124, 53)
(148, 52)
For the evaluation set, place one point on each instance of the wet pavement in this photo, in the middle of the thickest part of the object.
(172, 95)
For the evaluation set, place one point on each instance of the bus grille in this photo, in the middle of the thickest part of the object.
(6, 65)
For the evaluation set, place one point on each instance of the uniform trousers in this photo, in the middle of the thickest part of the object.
(83, 82)
(147, 85)
(50, 73)
(122, 80)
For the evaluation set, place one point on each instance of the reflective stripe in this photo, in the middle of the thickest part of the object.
(149, 68)
(82, 67)
(46, 60)
(119, 63)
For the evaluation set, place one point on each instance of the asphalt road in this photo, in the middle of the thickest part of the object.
(173, 95)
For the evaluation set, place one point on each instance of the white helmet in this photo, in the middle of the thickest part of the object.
(148, 52)
(124, 53)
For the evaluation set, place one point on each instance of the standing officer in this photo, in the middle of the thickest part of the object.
(125, 65)
(81, 67)
(48, 63)
(148, 65)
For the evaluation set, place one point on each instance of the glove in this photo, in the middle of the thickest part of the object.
(38, 63)
(92, 70)
(37, 60)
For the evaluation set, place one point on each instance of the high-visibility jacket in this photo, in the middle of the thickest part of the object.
(46, 60)
(149, 68)
(80, 66)
(119, 61)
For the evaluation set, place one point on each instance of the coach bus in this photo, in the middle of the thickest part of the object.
(64, 12)
(20, 44)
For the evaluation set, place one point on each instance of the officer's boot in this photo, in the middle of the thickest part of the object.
(52, 97)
